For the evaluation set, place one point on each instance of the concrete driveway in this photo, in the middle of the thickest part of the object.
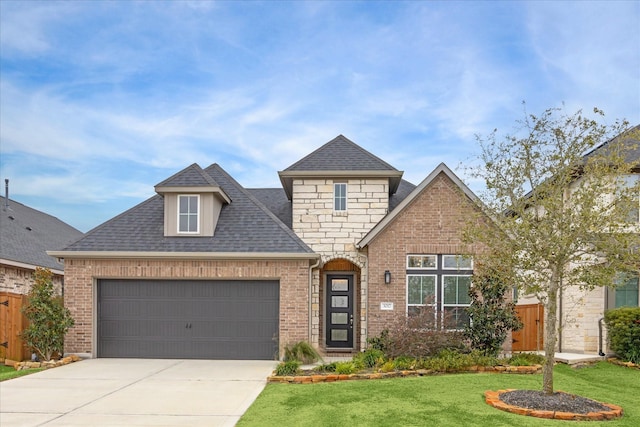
(134, 392)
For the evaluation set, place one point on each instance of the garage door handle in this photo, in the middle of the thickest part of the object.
(188, 326)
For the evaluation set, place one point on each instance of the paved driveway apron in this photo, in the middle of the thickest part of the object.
(134, 392)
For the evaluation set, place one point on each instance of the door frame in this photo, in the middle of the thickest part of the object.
(353, 321)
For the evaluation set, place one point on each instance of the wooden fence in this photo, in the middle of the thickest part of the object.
(12, 322)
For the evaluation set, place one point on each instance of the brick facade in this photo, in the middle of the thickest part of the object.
(19, 280)
(82, 275)
(431, 224)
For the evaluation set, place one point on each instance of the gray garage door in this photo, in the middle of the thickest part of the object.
(165, 319)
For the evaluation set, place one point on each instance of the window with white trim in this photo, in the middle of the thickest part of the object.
(340, 196)
(188, 213)
(445, 286)
(455, 300)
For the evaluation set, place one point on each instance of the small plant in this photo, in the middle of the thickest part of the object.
(290, 367)
(388, 366)
(345, 368)
(403, 363)
(301, 351)
(526, 359)
(49, 320)
(369, 358)
(328, 367)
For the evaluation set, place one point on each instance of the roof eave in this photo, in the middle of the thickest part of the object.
(182, 255)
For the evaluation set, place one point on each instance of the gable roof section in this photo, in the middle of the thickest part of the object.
(246, 229)
(192, 179)
(26, 234)
(441, 168)
(340, 158)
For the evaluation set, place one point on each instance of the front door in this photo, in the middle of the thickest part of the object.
(339, 311)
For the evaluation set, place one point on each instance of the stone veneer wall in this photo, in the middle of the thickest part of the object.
(432, 224)
(334, 234)
(19, 280)
(81, 276)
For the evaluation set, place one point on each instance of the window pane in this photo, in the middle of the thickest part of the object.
(339, 318)
(193, 223)
(457, 262)
(339, 335)
(340, 197)
(449, 284)
(339, 284)
(184, 204)
(340, 302)
(455, 317)
(422, 261)
(464, 284)
(627, 294)
(183, 222)
(422, 290)
(193, 204)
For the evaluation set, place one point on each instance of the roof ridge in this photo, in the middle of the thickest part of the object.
(192, 167)
(36, 210)
(260, 206)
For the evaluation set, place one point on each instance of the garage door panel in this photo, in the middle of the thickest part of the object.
(188, 319)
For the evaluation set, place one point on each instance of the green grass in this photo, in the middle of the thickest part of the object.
(8, 373)
(445, 400)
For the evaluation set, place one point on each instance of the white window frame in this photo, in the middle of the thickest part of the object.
(457, 268)
(197, 214)
(457, 304)
(435, 266)
(336, 197)
(435, 291)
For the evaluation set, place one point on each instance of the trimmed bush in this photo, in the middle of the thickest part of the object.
(290, 367)
(526, 359)
(345, 368)
(623, 326)
(369, 358)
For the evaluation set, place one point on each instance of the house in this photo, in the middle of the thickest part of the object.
(25, 236)
(209, 269)
(581, 311)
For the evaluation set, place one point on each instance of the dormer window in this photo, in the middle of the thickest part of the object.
(340, 197)
(188, 214)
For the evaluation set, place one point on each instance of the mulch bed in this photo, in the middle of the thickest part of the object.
(559, 405)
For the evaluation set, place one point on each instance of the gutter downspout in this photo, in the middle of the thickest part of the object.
(311, 267)
(600, 349)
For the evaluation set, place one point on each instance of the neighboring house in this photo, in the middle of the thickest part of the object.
(25, 236)
(209, 269)
(580, 311)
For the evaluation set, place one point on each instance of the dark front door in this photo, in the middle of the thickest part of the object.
(339, 311)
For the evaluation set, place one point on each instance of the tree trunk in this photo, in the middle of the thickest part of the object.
(550, 335)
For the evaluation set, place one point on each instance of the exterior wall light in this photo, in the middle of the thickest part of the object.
(387, 277)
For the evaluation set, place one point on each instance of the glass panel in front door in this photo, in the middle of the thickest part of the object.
(339, 310)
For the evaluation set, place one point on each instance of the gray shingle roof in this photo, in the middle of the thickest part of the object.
(340, 154)
(26, 234)
(244, 225)
(340, 158)
(191, 176)
(275, 199)
(630, 141)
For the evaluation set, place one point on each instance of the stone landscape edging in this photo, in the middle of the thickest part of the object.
(493, 398)
(332, 377)
(19, 366)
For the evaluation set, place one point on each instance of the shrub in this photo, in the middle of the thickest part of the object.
(492, 317)
(329, 367)
(345, 368)
(290, 367)
(403, 363)
(380, 342)
(623, 326)
(420, 335)
(301, 351)
(526, 359)
(369, 358)
(49, 320)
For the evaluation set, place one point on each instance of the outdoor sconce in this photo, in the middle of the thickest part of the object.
(387, 277)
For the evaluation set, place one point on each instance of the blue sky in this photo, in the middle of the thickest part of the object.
(100, 101)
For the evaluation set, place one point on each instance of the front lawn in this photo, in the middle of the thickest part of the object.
(443, 400)
(8, 372)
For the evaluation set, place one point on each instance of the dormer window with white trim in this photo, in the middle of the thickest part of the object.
(188, 214)
(340, 197)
